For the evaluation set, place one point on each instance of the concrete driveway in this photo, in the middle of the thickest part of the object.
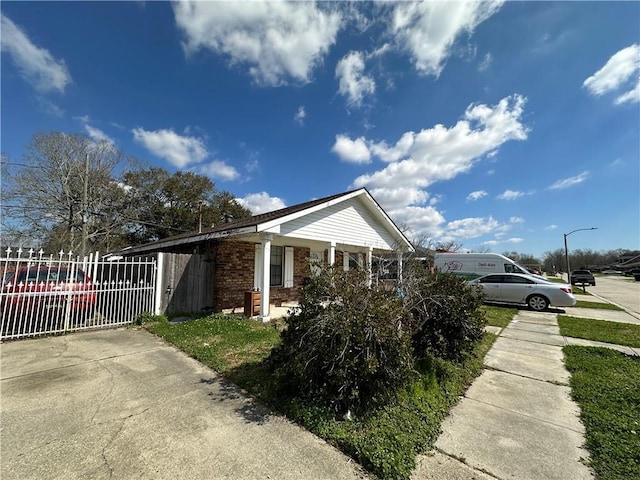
(123, 404)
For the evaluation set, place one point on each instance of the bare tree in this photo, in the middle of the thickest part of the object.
(64, 192)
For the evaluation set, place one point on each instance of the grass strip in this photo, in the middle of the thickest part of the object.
(498, 316)
(606, 385)
(597, 305)
(600, 330)
(385, 440)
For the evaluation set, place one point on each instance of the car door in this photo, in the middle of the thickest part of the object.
(492, 285)
(516, 289)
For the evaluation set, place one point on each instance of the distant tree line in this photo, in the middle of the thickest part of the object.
(554, 261)
(71, 192)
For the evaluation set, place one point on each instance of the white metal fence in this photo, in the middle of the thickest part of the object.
(58, 293)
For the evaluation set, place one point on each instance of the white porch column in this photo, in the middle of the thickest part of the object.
(266, 277)
(332, 253)
(400, 267)
(370, 265)
(157, 300)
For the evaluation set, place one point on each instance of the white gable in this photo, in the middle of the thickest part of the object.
(347, 222)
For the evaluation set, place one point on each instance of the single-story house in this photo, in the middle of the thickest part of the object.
(270, 253)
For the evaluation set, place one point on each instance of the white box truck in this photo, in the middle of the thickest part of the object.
(474, 265)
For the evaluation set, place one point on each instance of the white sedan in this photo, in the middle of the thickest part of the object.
(515, 288)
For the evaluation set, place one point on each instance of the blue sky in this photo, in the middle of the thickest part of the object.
(497, 125)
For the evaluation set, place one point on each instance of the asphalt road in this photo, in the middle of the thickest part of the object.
(620, 290)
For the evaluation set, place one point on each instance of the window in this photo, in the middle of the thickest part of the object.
(354, 262)
(276, 270)
(514, 279)
(492, 279)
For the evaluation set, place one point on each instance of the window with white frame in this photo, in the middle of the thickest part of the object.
(281, 267)
(276, 269)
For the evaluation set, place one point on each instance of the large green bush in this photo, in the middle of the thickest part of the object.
(447, 314)
(347, 344)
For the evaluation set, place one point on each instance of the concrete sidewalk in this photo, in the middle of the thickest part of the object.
(517, 420)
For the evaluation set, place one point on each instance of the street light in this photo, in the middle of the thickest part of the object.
(566, 250)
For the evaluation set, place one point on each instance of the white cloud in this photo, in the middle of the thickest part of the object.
(551, 227)
(471, 227)
(622, 71)
(98, 135)
(36, 65)
(353, 84)
(49, 107)
(418, 160)
(569, 182)
(441, 153)
(396, 198)
(261, 203)
(428, 30)
(279, 41)
(300, 115)
(219, 169)
(632, 96)
(510, 195)
(477, 195)
(485, 63)
(516, 220)
(180, 151)
(514, 240)
(353, 151)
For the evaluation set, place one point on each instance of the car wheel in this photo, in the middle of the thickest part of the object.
(537, 303)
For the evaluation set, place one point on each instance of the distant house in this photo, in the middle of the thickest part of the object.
(270, 253)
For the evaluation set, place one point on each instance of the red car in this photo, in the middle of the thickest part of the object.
(42, 288)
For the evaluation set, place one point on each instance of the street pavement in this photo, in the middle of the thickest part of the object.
(619, 290)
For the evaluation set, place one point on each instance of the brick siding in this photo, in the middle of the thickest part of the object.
(234, 273)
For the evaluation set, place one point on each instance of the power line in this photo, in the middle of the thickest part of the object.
(100, 214)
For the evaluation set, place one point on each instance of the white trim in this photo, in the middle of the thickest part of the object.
(288, 267)
(332, 253)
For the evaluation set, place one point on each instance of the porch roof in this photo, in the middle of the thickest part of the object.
(271, 222)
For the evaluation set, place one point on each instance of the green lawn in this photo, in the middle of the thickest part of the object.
(386, 440)
(498, 316)
(606, 385)
(597, 305)
(600, 330)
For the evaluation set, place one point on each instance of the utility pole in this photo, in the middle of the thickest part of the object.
(85, 207)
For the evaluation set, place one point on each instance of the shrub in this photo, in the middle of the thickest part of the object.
(447, 314)
(346, 345)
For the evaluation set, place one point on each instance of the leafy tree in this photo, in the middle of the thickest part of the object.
(163, 204)
(65, 188)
